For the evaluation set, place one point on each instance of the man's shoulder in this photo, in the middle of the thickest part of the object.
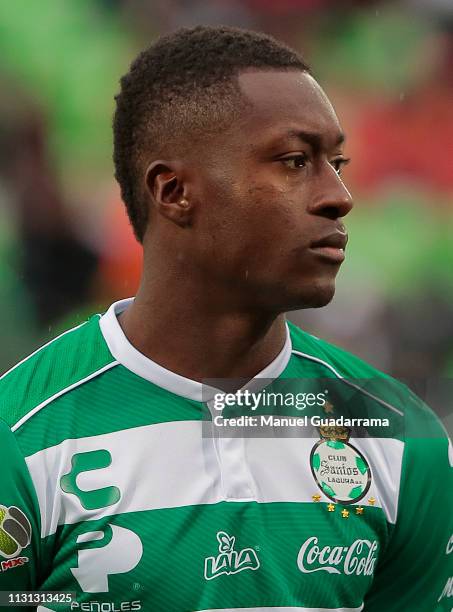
(337, 360)
(58, 366)
(390, 393)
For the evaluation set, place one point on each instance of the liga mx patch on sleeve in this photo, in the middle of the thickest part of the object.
(15, 535)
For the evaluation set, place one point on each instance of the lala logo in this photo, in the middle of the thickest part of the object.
(359, 558)
(229, 561)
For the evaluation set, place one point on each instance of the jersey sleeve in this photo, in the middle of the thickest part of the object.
(416, 570)
(19, 519)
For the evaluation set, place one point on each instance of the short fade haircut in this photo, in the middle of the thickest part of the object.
(180, 89)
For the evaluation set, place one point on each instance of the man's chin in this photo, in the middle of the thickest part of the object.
(316, 296)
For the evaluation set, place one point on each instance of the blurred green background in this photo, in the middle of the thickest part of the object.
(66, 249)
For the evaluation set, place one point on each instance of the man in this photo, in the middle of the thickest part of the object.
(229, 158)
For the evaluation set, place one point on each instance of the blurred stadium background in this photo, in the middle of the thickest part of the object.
(66, 249)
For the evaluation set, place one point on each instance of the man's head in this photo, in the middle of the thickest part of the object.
(227, 150)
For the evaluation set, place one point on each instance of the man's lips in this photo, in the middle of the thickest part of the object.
(331, 247)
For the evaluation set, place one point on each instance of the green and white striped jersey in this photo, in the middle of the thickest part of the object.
(110, 489)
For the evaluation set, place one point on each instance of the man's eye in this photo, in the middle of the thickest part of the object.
(295, 162)
(338, 164)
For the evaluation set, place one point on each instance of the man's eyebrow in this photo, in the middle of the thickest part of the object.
(314, 139)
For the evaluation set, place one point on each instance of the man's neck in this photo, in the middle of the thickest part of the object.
(198, 340)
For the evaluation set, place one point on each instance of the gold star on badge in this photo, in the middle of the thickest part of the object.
(328, 407)
(331, 507)
(359, 510)
(345, 513)
(371, 501)
(316, 498)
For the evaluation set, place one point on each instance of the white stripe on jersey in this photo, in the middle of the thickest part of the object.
(195, 472)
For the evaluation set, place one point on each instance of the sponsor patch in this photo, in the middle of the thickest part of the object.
(229, 561)
(15, 535)
(358, 559)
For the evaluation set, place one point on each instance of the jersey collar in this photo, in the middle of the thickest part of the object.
(124, 352)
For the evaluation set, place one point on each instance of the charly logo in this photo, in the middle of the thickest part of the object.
(339, 469)
(120, 555)
(229, 561)
(86, 462)
(359, 558)
(15, 535)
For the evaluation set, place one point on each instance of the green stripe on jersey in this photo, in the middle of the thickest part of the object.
(276, 572)
(66, 360)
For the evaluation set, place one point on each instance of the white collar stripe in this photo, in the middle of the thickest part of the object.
(127, 355)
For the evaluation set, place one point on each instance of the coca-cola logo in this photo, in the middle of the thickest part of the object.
(359, 558)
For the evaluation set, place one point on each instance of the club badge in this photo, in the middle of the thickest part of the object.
(339, 469)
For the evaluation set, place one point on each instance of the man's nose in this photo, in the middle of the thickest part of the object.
(333, 199)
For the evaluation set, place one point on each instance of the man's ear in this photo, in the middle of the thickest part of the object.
(166, 189)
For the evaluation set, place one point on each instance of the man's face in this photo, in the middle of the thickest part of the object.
(270, 198)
